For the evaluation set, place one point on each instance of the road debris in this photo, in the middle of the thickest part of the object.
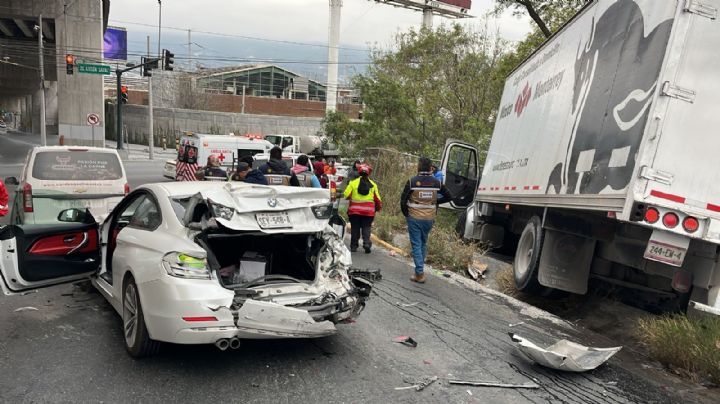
(407, 304)
(564, 354)
(469, 392)
(405, 340)
(476, 270)
(372, 275)
(495, 384)
(427, 362)
(26, 308)
(516, 324)
(421, 384)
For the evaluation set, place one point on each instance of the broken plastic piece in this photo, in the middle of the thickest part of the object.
(27, 308)
(494, 384)
(565, 355)
(405, 340)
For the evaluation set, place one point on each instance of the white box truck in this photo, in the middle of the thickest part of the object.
(604, 158)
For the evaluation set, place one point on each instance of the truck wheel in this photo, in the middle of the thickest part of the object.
(527, 256)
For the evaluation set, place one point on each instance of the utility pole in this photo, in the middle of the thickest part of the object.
(43, 135)
(159, 26)
(151, 136)
(333, 56)
(189, 55)
(427, 20)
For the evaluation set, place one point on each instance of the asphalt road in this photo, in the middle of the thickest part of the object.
(64, 344)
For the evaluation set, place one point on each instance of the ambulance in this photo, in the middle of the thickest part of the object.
(195, 148)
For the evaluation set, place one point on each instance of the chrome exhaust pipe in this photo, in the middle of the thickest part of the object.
(234, 342)
(222, 344)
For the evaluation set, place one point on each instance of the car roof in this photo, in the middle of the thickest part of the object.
(75, 148)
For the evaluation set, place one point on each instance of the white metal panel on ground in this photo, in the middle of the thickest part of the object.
(573, 116)
(688, 142)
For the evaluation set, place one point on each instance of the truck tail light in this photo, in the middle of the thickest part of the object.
(27, 198)
(670, 220)
(691, 224)
(127, 188)
(652, 215)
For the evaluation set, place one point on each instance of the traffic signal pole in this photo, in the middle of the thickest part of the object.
(118, 111)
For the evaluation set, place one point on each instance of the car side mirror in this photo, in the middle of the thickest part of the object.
(72, 215)
(12, 181)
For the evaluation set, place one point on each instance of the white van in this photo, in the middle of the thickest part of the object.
(55, 178)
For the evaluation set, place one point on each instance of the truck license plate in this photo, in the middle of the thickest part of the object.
(667, 248)
(273, 220)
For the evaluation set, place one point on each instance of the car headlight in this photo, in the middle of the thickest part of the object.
(222, 211)
(185, 266)
(322, 211)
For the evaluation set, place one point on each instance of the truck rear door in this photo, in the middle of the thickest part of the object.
(684, 173)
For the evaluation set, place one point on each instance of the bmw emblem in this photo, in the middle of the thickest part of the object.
(272, 202)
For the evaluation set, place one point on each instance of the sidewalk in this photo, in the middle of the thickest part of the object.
(142, 152)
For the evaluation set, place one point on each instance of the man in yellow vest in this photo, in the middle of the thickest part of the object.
(364, 202)
(419, 201)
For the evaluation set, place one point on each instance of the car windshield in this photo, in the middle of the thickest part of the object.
(76, 165)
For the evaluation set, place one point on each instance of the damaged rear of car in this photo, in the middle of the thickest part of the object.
(288, 270)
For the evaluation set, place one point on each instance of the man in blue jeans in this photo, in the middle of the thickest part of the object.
(418, 203)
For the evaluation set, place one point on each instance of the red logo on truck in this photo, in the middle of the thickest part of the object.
(523, 99)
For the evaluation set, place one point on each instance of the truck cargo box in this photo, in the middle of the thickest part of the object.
(617, 107)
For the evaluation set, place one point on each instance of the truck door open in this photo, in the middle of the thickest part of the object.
(461, 169)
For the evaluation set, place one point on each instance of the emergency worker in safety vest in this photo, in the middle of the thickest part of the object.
(276, 172)
(304, 174)
(364, 202)
(418, 203)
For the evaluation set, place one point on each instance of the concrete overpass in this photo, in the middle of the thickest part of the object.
(69, 27)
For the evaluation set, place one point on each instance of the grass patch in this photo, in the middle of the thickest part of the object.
(447, 251)
(385, 226)
(505, 280)
(692, 345)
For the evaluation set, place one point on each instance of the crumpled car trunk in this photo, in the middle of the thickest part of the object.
(293, 284)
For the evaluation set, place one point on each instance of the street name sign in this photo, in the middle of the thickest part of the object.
(93, 68)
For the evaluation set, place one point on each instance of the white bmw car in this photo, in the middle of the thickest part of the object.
(199, 263)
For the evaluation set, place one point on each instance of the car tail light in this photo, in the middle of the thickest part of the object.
(204, 318)
(127, 188)
(691, 224)
(652, 215)
(670, 220)
(27, 198)
(333, 191)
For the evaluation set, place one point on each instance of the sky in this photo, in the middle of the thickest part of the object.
(364, 23)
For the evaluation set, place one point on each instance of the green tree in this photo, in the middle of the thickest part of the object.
(548, 15)
(433, 86)
(340, 130)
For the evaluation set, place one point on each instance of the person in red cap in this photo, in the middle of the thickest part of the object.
(3, 199)
(364, 202)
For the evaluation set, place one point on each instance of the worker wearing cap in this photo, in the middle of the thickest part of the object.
(418, 203)
(364, 202)
(245, 173)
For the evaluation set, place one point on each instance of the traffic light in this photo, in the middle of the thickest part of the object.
(146, 68)
(168, 60)
(124, 94)
(70, 61)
